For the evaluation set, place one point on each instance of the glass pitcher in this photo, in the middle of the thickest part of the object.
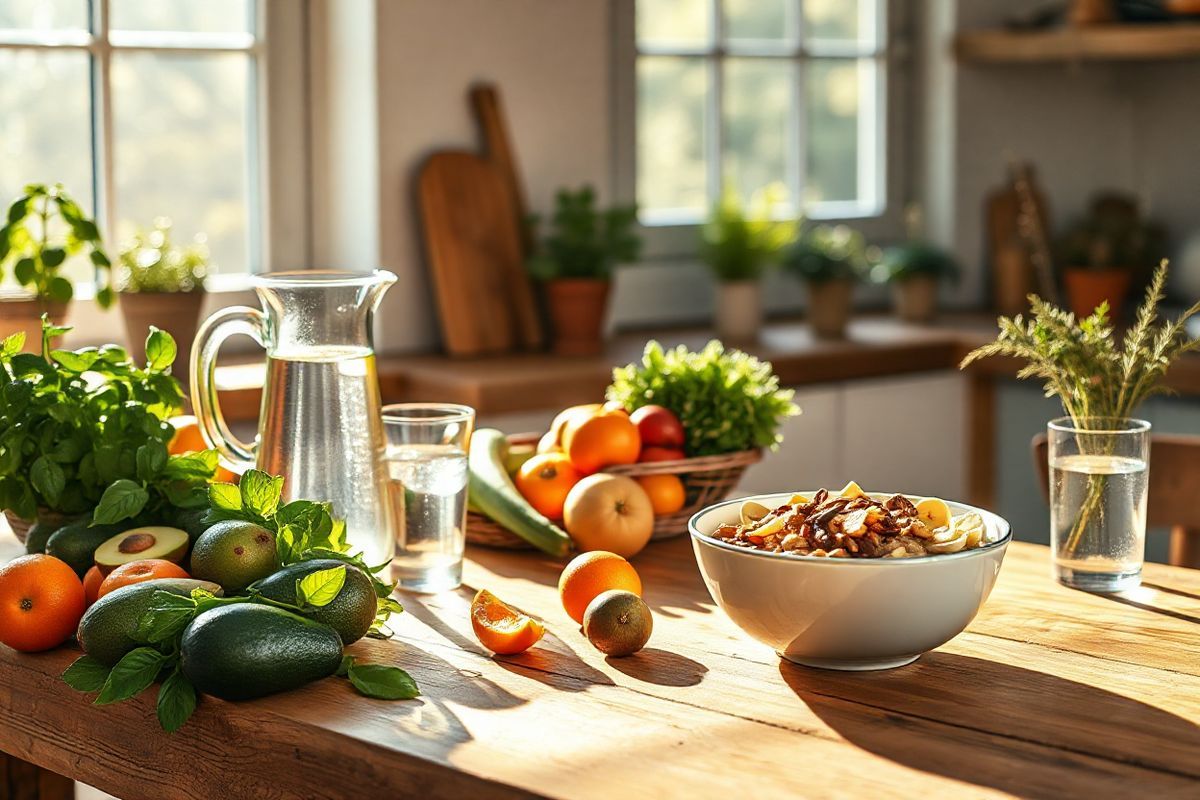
(320, 425)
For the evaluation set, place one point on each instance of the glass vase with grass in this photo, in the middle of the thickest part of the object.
(1100, 452)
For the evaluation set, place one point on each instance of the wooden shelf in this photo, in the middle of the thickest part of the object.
(1094, 43)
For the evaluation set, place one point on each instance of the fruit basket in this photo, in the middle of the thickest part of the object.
(706, 480)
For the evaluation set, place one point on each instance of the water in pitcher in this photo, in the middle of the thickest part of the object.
(428, 493)
(335, 390)
(1110, 493)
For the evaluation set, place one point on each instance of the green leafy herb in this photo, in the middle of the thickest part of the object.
(318, 589)
(86, 674)
(827, 252)
(737, 243)
(132, 675)
(151, 262)
(123, 499)
(380, 681)
(727, 400)
(176, 701)
(585, 242)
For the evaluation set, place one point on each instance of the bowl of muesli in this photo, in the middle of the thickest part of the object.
(849, 580)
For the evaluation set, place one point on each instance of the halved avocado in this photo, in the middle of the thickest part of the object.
(136, 544)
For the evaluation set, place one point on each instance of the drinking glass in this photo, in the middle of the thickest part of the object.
(426, 457)
(1099, 470)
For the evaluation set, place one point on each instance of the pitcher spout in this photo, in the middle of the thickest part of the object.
(384, 279)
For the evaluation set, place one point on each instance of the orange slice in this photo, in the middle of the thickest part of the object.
(500, 627)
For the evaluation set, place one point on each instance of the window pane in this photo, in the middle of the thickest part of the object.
(767, 21)
(181, 148)
(833, 128)
(46, 129)
(759, 124)
(209, 16)
(672, 113)
(680, 23)
(43, 15)
(832, 19)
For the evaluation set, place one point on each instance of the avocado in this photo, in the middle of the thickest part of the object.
(234, 554)
(107, 628)
(76, 543)
(40, 533)
(138, 544)
(190, 520)
(351, 613)
(248, 650)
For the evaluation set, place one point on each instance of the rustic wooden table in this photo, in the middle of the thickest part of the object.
(1050, 692)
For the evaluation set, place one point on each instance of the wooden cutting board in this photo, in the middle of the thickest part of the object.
(473, 248)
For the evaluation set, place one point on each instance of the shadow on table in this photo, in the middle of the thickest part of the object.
(660, 667)
(972, 720)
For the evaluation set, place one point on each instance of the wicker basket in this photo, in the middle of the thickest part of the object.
(20, 527)
(706, 480)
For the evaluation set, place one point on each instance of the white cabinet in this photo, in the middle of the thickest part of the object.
(809, 456)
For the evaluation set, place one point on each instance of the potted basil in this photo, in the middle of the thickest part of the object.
(914, 270)
(43, 229)
(162, 285)
(739, 244)
(830, 259)
(575, 262)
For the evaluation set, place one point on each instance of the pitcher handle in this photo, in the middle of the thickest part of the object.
(235, 454)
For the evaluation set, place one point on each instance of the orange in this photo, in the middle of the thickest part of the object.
(545, 480)
(147, 569)
(602, 440)
(41, 601)
(500, 627)
(187, 438)
(91, 584)
(591, 574)
(666, 492)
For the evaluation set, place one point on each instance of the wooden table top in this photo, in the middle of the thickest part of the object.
(1050, 692)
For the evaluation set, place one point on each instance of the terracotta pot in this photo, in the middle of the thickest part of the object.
(829, 307)
(577, 307)
(24, 313)
(915, 298)
(739, 310)
(1088, 288)
(177, 313)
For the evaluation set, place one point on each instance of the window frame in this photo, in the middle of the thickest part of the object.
(679, 240)
(276, 181)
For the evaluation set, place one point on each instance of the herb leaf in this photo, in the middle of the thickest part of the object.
(261, 492)
(382, 682)
(160, 349)
(318, 589)
(225, 497)
(132, 675)
(165, 618)
(176, 701)
(121, 500)
(86, 674)
(48, 478)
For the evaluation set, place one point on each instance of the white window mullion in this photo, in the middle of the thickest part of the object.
(799, 116)
(102, 127)
(716, 123)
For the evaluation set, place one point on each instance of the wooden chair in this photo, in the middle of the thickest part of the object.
(1174, 499)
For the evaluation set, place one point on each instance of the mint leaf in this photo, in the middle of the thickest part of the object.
(121, 500)
(160, 349)
(48, 479)
(344, 668)
(13, 344)
(76, 362)
(151, 458)
(261, 492)
(176, 701)
(382, 682)
(225, 497)
(201, 465)
(132, 675)
(166, 618)
(319, 588)
(86, 674)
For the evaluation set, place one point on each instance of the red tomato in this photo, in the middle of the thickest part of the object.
(658, 426)
(662, 454)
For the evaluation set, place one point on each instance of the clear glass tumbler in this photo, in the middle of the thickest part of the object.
(427, 447)
(1099, 470)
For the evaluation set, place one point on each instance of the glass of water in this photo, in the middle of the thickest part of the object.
(426, 456)
(1099, 470)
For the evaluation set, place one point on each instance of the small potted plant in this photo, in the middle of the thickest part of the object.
(739, 245)
(913, 270)
(1103, 253)
(575, 262)
(830, 259)
(162, 285)
(45, 227)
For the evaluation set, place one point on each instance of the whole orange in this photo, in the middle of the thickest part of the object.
(666, 492)
(590, 574)
(602, 440)
(41, 601)
(147, 569)
(91, 584)
(545, 480)
(187, 438)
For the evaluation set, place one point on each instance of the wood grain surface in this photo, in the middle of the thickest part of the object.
(1049, 693)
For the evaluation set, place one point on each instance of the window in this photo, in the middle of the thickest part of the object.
(141, 108)
(747, 93)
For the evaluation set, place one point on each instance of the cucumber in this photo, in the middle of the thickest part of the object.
(493, 492)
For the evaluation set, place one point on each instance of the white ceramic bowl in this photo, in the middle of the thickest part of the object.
(843, 613)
